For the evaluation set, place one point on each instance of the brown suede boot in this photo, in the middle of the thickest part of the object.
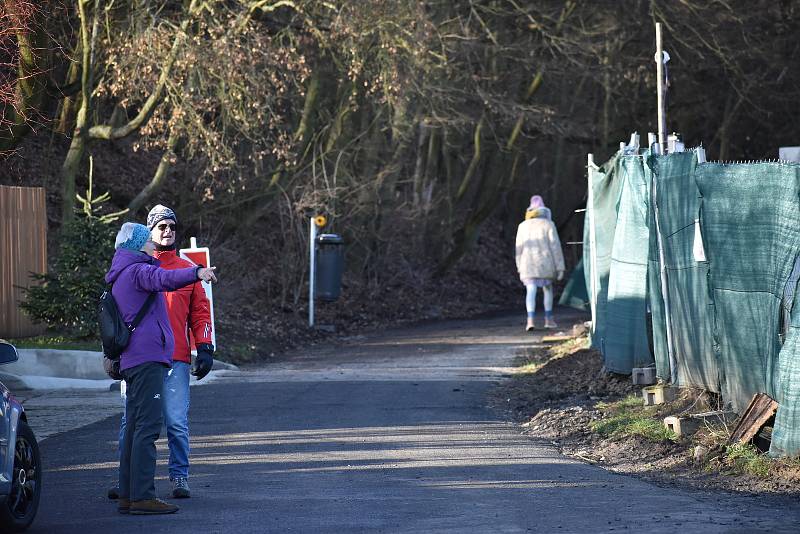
(151, 507)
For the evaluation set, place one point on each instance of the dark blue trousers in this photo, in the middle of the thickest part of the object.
(144, 413)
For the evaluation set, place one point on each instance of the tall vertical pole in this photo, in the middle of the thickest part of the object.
(312, 268)
(662, 141)
(673, 361)
(593, 275)
(662, 114)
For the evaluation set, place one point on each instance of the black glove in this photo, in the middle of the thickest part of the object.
(112, 368)
(204, 360)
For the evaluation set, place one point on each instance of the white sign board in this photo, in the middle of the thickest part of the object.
(789, 153)
(201, 256)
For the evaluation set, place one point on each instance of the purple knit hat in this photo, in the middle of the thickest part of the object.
(536, 203)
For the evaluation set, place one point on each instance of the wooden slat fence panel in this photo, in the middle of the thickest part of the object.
(23, 249)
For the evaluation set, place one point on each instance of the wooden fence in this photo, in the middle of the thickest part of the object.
(23, 250)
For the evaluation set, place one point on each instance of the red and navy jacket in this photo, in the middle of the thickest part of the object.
(188, 309)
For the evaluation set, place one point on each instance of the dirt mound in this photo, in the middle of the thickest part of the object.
(547, 376)
(563, 395)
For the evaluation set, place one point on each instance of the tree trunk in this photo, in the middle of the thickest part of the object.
(77, 148)
(468, 234)
(110, 131)
(536, 82)
(558, 163)
(83, 130)
(32, 71)
(723, 133)
(473, 164)
(431, 170)
(337, 127)
(159, 176)
(419, 167)
(606, 99)
(447, 159)
(305, 129)
(67, 107)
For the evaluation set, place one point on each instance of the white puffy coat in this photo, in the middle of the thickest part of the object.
(539, 252)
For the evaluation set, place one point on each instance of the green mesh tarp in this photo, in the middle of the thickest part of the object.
(601, 215)
(575, 294)
(586, 260)
(655, 296)
(624, 340)
(786, 431)
(726, 315)
(750, 215)
(691, 312)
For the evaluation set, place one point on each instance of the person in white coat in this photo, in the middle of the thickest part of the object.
(539, 259)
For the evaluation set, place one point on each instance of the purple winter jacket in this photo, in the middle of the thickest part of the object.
(135, 275)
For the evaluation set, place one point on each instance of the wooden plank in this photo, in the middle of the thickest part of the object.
(760, 410)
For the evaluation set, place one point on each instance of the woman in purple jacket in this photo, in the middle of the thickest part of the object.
(135, 274)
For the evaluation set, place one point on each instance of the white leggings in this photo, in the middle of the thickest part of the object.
(530, 298)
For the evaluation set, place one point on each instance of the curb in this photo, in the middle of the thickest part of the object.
(65, 369)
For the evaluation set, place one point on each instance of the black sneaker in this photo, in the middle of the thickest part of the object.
(180, 488)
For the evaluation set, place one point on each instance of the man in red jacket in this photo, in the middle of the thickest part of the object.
(190, 318)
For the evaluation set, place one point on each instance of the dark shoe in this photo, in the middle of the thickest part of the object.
(180, 488)
(152, 507)
(113, 493)
(124, 506)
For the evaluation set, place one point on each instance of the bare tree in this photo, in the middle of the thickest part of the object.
(23, 69)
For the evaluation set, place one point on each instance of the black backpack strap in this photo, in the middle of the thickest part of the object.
(142, 311)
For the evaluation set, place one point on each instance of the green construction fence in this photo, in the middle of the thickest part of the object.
(692, 267)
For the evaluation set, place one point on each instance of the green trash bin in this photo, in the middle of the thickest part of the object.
(330, 264)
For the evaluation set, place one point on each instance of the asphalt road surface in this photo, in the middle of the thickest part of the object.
(387, 433)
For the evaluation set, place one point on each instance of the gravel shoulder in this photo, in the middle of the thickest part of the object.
(560, 393)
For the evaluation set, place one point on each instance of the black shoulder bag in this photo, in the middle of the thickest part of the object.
(114, 333)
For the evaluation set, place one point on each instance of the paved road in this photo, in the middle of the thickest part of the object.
(385, 434)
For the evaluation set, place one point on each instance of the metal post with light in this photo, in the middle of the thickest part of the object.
(316, 222)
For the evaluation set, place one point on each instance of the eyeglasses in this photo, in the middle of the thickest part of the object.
(164, 226)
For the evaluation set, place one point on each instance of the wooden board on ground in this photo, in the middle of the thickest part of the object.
(760, 410)
(555, 339)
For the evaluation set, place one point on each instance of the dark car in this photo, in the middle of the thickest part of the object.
(20, 462)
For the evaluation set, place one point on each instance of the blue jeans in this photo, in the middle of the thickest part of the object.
(176, 418)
